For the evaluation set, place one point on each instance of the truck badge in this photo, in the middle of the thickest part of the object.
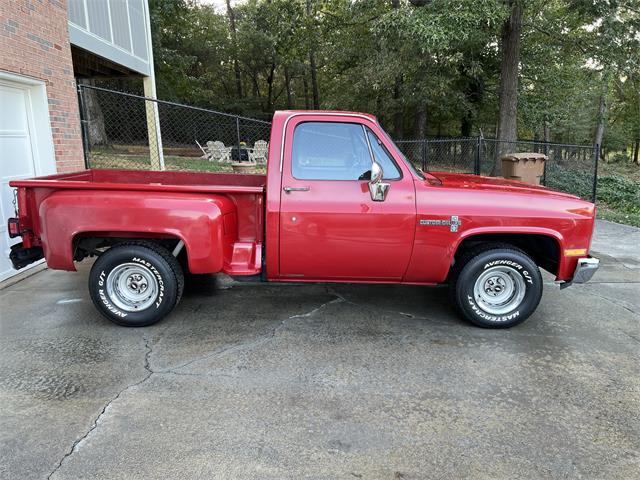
(454, 222)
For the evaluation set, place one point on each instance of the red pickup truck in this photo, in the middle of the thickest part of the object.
(339, 203)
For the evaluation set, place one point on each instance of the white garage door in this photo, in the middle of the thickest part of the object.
(17, 159)
(26, 146)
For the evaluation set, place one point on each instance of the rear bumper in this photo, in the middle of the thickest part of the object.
(585, 269)
(21, 257)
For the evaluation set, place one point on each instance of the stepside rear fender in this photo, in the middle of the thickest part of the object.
(197, 219)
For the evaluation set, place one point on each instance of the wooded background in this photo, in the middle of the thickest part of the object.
(555, 70)
(561, 75)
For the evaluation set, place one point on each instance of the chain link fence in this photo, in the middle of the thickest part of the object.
(120, 130)
(569, 168)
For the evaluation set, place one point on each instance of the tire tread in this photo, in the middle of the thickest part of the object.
(469, 255)
(165, 255)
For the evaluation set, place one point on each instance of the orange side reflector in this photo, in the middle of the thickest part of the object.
(576, 252)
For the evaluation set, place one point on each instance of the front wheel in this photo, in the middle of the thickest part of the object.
(496, 287)
(136, 284)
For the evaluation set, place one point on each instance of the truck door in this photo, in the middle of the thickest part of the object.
(330, 228)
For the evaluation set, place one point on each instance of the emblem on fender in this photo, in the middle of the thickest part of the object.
(454, 223)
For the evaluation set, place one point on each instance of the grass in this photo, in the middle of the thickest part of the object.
(107, 159)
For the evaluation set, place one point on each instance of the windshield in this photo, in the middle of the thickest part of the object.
(411, 166)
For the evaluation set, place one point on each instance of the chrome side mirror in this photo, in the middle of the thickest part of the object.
(377, 188)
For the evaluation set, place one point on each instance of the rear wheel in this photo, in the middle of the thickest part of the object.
(136, 284)
(496, 287)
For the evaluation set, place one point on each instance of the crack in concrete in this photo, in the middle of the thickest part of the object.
(256, 342)
(384, 310)
(614, 302)
(77, 443)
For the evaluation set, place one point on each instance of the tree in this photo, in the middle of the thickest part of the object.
(234, 38)
(313, 68)
(508, 112)
(536, 69)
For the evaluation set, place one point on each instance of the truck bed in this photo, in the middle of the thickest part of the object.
(218, 215)
(150, 181)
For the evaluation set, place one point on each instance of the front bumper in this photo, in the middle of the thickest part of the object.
(585, 269)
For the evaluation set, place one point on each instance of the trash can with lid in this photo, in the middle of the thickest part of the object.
(525, 167)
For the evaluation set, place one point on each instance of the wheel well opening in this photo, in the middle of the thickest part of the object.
(544, 249)
(93, 244)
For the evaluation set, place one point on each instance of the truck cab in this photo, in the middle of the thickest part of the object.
(339, 203)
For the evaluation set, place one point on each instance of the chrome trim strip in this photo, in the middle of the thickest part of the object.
(366, 138)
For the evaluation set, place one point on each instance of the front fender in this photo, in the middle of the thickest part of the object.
(435, 249)
(197, 219)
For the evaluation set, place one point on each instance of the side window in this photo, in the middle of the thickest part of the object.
(383, 157)
(330, 151)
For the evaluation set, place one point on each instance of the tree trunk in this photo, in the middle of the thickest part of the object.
(314, 80)
(305, 87)
(234, 38)
(546, 132)
(96, 129)
(465, 126)
(270, 78)
(398, 115)
(546, 137)
(287, 82)
(510, 49)
(421, 122)
(602, 111)
(636, 147)
(312, 65)
(256, 87)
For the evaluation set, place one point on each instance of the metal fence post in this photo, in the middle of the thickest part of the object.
(595, 174)
(238, 134)
(84, 133)
(424, 154)
(476, 167)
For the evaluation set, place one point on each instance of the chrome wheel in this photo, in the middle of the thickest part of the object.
(499, 290)
(132, 287)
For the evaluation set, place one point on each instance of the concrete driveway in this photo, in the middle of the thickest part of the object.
(249, 381)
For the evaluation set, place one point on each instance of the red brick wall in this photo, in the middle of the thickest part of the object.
(34, 41)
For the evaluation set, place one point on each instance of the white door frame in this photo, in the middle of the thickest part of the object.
(39, 121)
(40, 134)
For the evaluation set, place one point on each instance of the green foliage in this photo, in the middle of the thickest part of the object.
(570, 180)
(618, 196)
(442, 58)
(432, 69)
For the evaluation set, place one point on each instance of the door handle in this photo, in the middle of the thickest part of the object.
(295, 189)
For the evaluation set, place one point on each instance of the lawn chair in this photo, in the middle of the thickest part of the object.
(217, 152)
(259, 152)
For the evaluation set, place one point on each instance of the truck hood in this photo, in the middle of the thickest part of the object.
(493, 184)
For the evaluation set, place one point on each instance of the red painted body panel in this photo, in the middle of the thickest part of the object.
(562, 217)
(218, 216)
(193, 218)
(338, 234)
(335, 231)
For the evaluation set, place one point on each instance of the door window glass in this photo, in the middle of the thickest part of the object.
(330, 151)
